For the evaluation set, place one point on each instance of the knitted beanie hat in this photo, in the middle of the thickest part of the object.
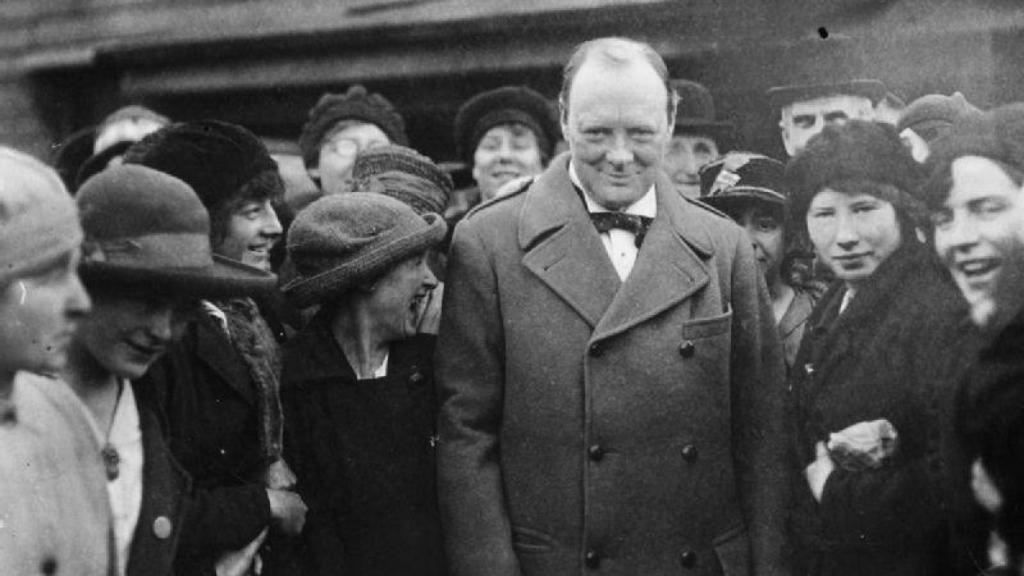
(506, 105)
(743, 176)
(855, 152)
(215, 158)
(355, 104)
(343, 239)
(932, 114)
(38, 218)
(147, 230)
(403, 174)
(997, 134)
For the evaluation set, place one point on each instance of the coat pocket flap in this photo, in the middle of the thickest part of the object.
(707, 327)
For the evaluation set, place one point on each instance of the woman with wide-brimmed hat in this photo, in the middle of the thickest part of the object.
(868, 379)
(146, 263)
(358, 387)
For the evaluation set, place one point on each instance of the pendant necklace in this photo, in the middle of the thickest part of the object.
(111, 458)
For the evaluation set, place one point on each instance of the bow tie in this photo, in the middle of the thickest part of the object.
(605, 221)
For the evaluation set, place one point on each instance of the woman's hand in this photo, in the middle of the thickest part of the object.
(864, 445)
(817, 472)
(242, 562)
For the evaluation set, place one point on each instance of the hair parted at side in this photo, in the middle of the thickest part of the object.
(615, 51)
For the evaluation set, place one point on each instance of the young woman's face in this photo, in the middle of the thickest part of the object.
(127, 334)
(853, 234)
(38, 316)
(764, 228)
(252, 231)
(506, 152)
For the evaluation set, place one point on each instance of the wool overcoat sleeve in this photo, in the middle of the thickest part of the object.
(471, 360)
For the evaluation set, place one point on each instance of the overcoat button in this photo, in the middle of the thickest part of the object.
(688, 558)
(596, 452)
(687, 348)
(592, 559)
(689, 453)
(415, 378)
(48, 565)
(596, 350)
(162, 527)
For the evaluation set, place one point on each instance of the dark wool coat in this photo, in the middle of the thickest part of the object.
(363, 451)
(590, 425)
(209, 410)
(886, 357)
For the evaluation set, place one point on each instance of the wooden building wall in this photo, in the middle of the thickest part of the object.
(64, 64)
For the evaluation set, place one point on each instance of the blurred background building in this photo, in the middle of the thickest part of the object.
(65, 64)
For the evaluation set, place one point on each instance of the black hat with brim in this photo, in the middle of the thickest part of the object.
(226, 277)
(780, 96)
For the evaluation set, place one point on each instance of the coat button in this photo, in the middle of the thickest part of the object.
(688, 558)
(48, 565)
(689, 453)
(687, 348)
(162, 527)
(415, 378)
(592, 559)
(596, 350)
(595, 452)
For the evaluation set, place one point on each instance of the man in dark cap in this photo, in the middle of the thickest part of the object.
(341, 126)
(608, 371)
(219, 386)
(823, 86)
(698, 139)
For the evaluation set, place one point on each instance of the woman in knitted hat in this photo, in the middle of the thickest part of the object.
(341, 126)
(218, 386)
(146, 262)
(53, 499)
(869, 375)
(750, 189)
(358, 387)
(503, 134)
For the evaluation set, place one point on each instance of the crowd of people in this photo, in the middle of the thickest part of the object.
(632, 347)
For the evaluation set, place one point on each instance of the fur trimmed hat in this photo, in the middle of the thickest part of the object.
(355, 104)
(932, 114)
(38, 218)
(147, 230)
(997, 134)
(506, 105)
(403, 174)
(855, 152)
(695, 114)
(741, 177)
(343, 239)
(217, 159)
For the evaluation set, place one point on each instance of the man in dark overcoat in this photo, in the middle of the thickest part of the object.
(610, 385)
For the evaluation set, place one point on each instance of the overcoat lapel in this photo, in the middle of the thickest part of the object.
(563, 248)
(669, 267)
(214, 350)
(164, 486)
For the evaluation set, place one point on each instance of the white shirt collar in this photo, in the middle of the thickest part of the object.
(647, 205)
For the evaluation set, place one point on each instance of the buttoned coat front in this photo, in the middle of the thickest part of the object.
(592, 425)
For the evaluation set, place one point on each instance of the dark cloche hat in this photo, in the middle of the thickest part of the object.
(743, 176)
(695, 114)
(355, 104)
(344, 239)
(403, 174)
(147, 230)
(506, 105)
(818, 67)
(997, 134)
(216, 159)
(857, 151)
